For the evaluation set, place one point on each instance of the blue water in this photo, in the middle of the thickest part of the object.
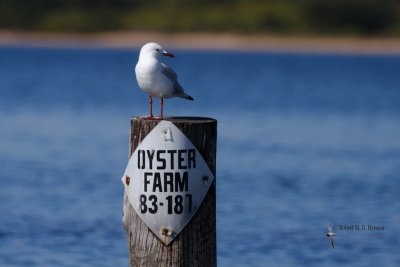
(303, 141)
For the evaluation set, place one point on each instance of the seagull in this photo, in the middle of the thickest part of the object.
(331, 234)
(156, 78)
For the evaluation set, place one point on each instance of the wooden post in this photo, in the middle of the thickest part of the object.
(196, 244)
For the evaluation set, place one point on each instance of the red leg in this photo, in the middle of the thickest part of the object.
(161, 107)
(151, 107)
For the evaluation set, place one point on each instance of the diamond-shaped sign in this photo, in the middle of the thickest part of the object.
(166, 180)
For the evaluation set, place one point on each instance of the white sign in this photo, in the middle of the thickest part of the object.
(166, 180)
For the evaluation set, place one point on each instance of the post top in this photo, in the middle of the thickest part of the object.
(177, 119)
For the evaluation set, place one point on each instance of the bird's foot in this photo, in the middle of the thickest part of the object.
(160, 118)
(149, 117)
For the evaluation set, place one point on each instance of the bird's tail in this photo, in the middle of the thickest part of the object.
(188, 97)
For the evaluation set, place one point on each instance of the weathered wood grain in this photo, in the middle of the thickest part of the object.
(196, 244)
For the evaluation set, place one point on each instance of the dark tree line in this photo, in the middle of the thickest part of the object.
(349, 17)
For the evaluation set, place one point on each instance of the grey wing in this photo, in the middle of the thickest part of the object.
(173, 77)
(332, 242)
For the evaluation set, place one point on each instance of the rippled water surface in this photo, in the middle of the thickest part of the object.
(303, 141)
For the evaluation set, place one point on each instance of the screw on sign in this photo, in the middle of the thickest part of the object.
(166, 180)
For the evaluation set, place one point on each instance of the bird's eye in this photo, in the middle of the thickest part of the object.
(158, 49)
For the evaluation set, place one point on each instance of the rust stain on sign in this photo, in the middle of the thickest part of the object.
(127, 180)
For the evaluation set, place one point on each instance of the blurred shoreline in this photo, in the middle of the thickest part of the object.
(204, 41)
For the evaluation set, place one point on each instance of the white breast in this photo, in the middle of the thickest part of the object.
(151, 80)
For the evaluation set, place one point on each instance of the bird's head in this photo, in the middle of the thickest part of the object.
(155, 50)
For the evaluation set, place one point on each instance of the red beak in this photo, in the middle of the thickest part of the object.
(168, 54)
